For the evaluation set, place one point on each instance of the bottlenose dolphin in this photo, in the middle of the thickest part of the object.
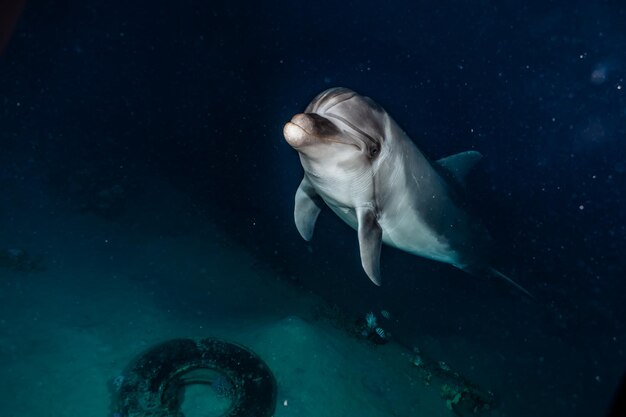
(361, 164)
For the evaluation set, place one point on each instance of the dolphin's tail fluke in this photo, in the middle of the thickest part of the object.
(500, 275)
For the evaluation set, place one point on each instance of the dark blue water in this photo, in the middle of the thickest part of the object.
(98, 99)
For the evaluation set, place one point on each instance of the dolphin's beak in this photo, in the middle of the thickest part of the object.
(301, 130)
(295, 134)
(311, 128)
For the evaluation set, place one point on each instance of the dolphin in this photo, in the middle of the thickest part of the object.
(361, 164)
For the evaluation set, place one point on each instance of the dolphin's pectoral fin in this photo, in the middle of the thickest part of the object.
(308, 207)
(370, 242)
(460, 164)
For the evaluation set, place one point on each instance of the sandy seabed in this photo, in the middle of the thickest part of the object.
(110, 290)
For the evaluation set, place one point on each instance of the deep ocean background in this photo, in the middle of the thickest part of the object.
(98, 99)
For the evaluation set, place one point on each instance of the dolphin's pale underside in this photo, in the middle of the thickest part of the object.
(358, 162)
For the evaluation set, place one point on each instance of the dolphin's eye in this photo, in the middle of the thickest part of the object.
(374, 151)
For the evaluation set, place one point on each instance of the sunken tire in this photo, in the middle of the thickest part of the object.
(153, 384)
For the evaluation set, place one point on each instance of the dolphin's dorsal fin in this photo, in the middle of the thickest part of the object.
(307, 208)
(460, 164)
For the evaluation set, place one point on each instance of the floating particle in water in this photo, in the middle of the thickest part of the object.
(603, 70)
(599, 74)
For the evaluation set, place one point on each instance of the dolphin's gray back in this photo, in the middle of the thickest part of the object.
(425, 218)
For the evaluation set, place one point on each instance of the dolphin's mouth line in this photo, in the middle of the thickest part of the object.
(299, 127)
(326, 138)
(345, 143)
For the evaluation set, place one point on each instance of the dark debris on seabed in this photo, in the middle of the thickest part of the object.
(364, 328)
(464, 397)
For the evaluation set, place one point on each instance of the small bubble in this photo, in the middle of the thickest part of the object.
(599, 74)
(581, 207)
